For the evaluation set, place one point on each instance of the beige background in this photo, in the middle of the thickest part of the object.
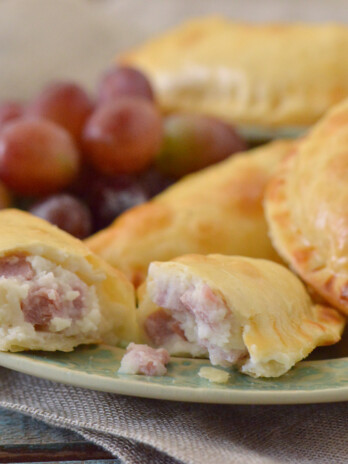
(47, 39)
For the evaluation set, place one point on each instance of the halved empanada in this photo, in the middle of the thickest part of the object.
(307, 208)
(54, 293)
(218, 210)
(251, 313)
(266, 78)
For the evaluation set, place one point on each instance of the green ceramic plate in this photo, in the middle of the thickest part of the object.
(95, 367)
(259, 135)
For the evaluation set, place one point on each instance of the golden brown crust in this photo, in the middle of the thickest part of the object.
(279, 323)
(218, 210)
(306, 206)
(21, 232)
(240, 72)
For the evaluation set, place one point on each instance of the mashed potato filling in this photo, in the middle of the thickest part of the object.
(37, 295)
(203, 317)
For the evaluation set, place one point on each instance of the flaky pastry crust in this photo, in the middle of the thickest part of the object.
(265, 303)
(217, 210)
(24, 235)
(307, 208)
(270, 76)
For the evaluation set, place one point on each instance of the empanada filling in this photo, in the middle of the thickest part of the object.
(203, 316)
(37, 292)
(142, 359)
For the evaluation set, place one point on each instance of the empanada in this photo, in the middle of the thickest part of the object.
(54, 293)
(217, 210)
(252, 313)
(307, 208)
(266, 78)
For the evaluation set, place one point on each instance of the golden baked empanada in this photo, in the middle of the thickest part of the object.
(54, 293)
(307, 208)
(270, 76)
(252, 313)
(217, 210)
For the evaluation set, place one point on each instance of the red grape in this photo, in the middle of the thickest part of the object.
(9, 111)
(154, 182)
(5, 198)
(83, 183)
(124, 136)
(124, 81)
(109, 197)
(192, 142)
(64, 103)
(37, 157)
(66, 212)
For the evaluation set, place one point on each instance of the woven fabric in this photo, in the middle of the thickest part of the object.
(162, 432)
(77, 39)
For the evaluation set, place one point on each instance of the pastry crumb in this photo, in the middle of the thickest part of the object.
(214, 375)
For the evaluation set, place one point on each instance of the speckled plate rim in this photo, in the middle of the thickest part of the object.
(206, 392)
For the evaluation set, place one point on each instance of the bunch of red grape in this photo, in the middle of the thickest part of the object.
(79, 163)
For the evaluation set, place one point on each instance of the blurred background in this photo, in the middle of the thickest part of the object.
(81, 151)
(42, 40)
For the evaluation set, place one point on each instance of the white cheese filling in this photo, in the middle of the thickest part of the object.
(52, 300)
(203, 316)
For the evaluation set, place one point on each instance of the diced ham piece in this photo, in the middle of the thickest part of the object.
(160, 326)
(38, 308)
(16, 266)
(142, 359)
(193, 298)
(43, 304)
